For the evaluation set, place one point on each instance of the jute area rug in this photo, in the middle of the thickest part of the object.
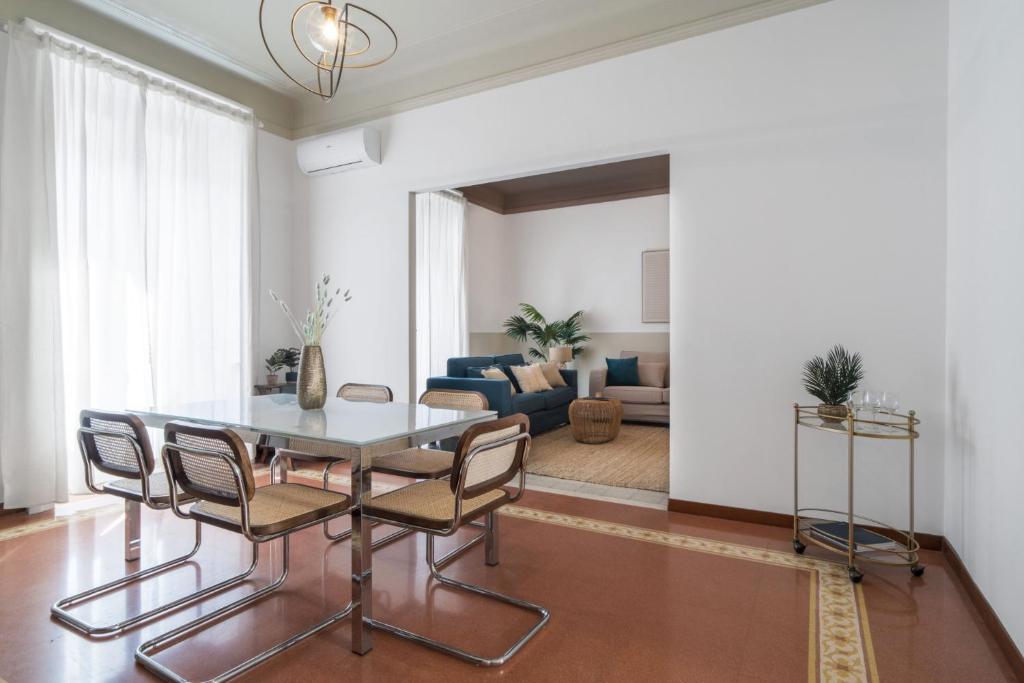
(637, 458)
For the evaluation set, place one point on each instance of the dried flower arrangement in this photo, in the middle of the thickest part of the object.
(312, 328)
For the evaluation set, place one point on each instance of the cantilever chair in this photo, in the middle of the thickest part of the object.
(117, 444)
(211, 465)
(423, 463)
(488, 456)
(430, 463)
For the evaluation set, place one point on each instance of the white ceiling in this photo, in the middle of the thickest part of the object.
(443, 44)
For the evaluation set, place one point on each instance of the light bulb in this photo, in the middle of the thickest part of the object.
(324, 30)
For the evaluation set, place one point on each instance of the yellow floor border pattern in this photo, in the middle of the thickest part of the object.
(33, 527)
(839, 649)
(838, 615)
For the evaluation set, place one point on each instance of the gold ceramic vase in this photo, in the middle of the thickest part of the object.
(312, 386)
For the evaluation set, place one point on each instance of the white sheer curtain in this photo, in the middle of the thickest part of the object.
(441, 326)
(199, 165)
(147, 196)
(98, 117)
(32, 446)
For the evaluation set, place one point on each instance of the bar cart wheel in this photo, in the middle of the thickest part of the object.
(855, 574)
(917, 570)
(798, 546)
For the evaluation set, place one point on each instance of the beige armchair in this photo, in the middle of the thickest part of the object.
(646, 402)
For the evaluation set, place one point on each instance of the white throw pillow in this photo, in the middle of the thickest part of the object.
(496, 373)
(551, 374)
(652, 374)
(531, 378)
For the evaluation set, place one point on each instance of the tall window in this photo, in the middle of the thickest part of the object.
(126, 206)
(441, 328)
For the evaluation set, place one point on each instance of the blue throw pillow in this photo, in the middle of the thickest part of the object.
(476, 372)
(623, 372)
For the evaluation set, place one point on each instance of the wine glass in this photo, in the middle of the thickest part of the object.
(873, 400)
(856, 403)
(891, 402)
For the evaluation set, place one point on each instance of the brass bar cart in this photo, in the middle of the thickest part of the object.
(844, 531)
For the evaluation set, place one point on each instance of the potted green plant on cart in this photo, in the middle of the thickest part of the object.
(274, 365)
(831, 380)
(291, 361)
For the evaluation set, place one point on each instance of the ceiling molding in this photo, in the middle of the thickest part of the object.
(617, 49)
(187, 42)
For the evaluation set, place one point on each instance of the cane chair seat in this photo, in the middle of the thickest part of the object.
(416, 463)
(131, 489)
(274, 509)
(431, 504)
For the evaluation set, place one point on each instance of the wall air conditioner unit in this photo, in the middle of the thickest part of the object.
(337, 152)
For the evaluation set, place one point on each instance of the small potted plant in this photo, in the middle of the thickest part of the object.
(831, 380)
(291, 360)
(274, 365)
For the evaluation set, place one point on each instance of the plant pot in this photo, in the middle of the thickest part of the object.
(273, 380)
(312, 383)
(291, 377)
(832, 414)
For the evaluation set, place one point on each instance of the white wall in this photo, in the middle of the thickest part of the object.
(563, 260)
(278, 175)
(807, 208)
(3, 78)
(492, 278)
(985, 459)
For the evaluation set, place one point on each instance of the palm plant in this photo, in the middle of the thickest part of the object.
(531, 326)
(832, 379)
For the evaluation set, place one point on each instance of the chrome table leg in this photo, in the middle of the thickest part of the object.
(362, 559)
(132, 530)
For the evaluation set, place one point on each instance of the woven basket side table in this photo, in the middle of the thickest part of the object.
(595, 420)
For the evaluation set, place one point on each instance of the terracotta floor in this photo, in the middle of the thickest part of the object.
(635, 594)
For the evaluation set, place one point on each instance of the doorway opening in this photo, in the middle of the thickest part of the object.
(569, 270)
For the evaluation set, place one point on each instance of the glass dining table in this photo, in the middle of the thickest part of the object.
(357, 431)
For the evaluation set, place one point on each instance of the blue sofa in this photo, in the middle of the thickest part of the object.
(546, 409)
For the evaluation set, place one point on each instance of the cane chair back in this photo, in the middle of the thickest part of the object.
(478, 469)
(198, 461)
(454, 399)
(319, 449)
(368, 393)
(115, 443)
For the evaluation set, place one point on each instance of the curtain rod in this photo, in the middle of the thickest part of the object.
(39, 29)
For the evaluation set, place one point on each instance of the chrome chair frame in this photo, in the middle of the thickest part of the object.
(492, 558)
(144, 653)
(286, 453)
(133, 547)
